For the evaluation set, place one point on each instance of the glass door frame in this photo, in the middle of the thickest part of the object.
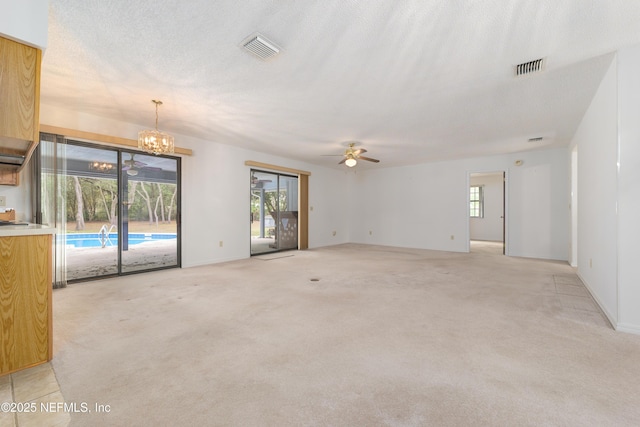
(37, 200)
(122, 206)
(277, 176)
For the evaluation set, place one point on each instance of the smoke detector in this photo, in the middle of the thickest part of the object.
(531, 67)
(260, 46)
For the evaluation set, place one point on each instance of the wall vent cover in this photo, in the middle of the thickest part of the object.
(260, 46)
(530, 67)
(536, 139)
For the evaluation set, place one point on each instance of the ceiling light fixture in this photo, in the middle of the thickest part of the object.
(350, 162)
(154, 141)
(101, 166)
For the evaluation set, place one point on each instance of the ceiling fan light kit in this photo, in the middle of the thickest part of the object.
(351, 156)
(132, 166)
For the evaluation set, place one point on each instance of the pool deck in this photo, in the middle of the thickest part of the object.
(90, 262)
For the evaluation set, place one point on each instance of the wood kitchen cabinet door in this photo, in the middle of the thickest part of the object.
(25, 302)
(19, 90)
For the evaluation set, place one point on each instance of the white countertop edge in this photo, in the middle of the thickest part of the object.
(26, 230)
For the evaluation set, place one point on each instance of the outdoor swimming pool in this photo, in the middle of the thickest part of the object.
(94, 240)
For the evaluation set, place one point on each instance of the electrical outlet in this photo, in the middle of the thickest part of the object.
(221, 243)
(3, 201)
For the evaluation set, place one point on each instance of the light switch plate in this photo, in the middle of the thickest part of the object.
(3, 201)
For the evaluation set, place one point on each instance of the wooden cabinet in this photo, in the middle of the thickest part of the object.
(19, 103)
(9, 177)
(25, 301)
(19, 90)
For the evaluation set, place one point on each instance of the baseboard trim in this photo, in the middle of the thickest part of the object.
(630, 329)
(610, 317)
(211, 262)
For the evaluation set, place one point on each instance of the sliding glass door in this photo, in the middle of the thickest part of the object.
(149, 210)
(274, 212)
(117, 211)
(287, 223)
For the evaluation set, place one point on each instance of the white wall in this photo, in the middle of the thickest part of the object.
(573, 260)
(215, 192)
(18, 197)
(538, 206)
(25, 21)
(628, 66)
(489, 227)
(422, 206)
(215, 202)
(597, 140)
(415, 206)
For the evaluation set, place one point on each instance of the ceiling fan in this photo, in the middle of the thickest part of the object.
(132, 166)
(256, 182)
(351, 156)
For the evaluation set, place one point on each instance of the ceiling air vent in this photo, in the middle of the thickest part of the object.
(536, 139)
(259, 46)
(530, 67)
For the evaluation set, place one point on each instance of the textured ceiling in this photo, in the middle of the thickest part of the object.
(412, 80)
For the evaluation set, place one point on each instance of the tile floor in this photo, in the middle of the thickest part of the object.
(34, 388)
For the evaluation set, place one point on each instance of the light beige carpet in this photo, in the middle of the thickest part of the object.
(384, 336)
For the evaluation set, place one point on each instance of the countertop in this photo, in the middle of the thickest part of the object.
(26, 230)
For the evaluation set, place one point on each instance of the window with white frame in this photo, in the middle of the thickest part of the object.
(476, 202)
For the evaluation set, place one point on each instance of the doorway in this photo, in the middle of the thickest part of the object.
(487, 217)
(273, 212)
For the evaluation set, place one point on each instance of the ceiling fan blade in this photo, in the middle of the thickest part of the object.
(368, 159)
(342, 161)
(359, 151)
(331, 155)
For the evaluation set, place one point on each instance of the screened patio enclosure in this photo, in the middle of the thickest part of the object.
(274, 212)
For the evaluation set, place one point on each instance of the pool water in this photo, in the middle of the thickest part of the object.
(93, 240)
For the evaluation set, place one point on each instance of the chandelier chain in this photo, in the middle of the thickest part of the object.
(157, 104)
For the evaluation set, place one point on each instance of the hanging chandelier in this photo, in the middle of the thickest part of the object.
(101, 166)
(154, 141)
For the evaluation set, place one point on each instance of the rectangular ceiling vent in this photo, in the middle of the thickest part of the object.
(260, 46)
(530, 67)
(536, 139)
